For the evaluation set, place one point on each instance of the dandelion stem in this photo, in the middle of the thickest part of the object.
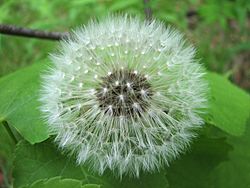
(8, 129)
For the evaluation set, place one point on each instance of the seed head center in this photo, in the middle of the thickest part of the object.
(124, 93)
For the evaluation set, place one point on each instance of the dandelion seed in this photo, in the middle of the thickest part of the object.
(78, 68)
(159, 73)
(121, 97)
(105, 90)
(72, 79)
(80, 85)
(123, 120)
(128, 85)
(143, 92)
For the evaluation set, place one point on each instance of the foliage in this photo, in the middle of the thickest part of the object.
(6, 151)
(218, 28)
(235, 172)
(58, 182)
(206, 154)
(229, 106)
(48, 162)
(18, 96)
(41, 161)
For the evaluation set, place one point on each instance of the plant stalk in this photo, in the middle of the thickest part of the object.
(8, 129)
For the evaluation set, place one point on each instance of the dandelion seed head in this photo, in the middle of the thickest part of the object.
(125, 95)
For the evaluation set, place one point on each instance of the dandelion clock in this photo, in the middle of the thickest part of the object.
(124, 94)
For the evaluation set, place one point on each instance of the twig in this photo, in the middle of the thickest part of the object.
(8, 129)
(147, 10)
(33, 33)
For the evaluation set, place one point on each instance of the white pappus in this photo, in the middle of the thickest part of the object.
(124, 94)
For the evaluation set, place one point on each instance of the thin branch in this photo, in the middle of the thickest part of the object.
(8, 129)
(147, 10)
(33, 33)
(39, 34)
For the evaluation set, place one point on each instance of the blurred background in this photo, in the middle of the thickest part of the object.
(218, 28)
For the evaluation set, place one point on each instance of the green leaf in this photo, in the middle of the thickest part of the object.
(19, 104)
(229, 105)
(194, 168)
(235, 172)
(60, 183)
(43, 160)
(156, 180)
(7, 146)
(91, 186)
(221, 161)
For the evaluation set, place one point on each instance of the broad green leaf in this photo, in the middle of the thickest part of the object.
(194, 168)
(229, 105)
(19, 103)
(156, 180)
(43, 160)
(221, 161)
(235, 172)
(57, 182)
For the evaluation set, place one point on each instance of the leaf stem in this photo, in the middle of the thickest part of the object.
(8, 129)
